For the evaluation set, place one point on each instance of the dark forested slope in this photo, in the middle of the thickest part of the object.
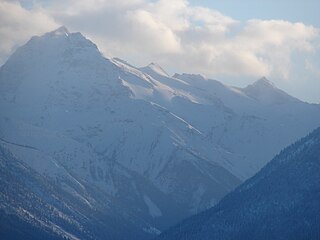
(282, 201)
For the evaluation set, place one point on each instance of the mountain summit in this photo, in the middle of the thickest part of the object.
(155, 68)
(263, 83)
(59, 31)
(266, 92)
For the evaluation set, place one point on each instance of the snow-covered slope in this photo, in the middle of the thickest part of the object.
(251, 123)
(164, 146)
(279, 202)
(35, 207)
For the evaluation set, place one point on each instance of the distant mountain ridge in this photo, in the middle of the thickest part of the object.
(158, 148)
(279, 202)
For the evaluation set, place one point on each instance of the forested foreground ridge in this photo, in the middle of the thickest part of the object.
(282, 201)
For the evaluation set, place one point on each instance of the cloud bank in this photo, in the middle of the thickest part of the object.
(177, 35)
(17, 25)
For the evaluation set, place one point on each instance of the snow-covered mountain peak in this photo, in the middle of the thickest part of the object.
(155, 68)
(60, 40)
(59, 31)
(264, 83)
(60, 65)
(57, 46)
(265, 92)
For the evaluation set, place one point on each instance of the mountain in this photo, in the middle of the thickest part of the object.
(279, 202)
(265, 92)
(252, 124)
(73, 116)
(34, 207)
(156, 148)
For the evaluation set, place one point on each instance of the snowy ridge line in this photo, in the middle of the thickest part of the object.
(174, 115)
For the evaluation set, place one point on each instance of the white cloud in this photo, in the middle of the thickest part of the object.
(17, 25)
(312, 68)
(274, 42)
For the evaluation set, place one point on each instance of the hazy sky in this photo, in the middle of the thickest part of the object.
(235, 41)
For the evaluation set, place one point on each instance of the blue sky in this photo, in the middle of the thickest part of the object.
(234, 41)
(306, 11)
